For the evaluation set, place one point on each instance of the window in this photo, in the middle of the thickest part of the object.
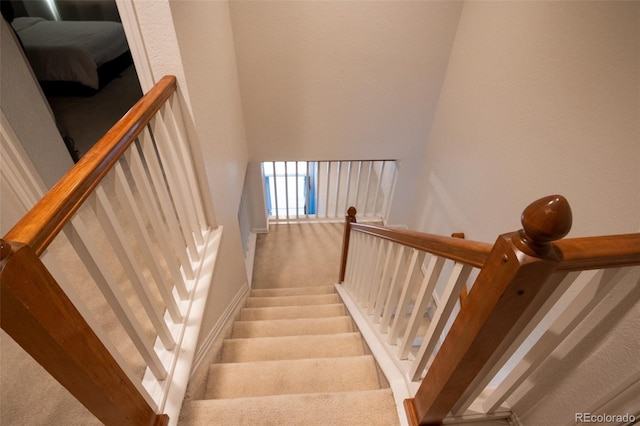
(289, 187)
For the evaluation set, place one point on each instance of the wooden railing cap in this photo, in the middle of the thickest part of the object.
(545, 220)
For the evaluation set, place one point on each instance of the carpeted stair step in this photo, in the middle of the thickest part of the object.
(371, 408)
(292, 291)
(313, 375)
(292, 347)
(304, 300)
(289, 312)
(292, 327)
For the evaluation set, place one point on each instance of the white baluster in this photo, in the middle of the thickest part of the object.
(164, 197)
(326, 205)
(128, 203)
(456, 282)
(376, 275)
(337, 202)
(425, 295)
(385, 289)
(375, 307)
(274, 176)
(133, 270)
(379, 187)
(391, 302)
(286, 189)
(359, 264)
(372, 243)
(307, 184)
(297, 192)
(175, 126)
(367, 212)
(169, 241)
(358, 184)
(100, 270)
(348, 189)
(417, 257)
(176, 180)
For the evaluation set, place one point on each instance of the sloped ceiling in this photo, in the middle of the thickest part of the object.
(341, 79)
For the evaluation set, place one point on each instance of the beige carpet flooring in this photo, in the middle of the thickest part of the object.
(294, 356)
(298, 255)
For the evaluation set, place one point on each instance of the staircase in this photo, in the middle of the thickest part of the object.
(294, 358)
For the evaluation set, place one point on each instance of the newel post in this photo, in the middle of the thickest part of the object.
(510, 288)
(348, 220)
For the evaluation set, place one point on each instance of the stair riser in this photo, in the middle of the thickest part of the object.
(298, 347)
(371, 408)
(320, 299)
(295, 291)
(291, 327)
(290, 312)
(290, 377)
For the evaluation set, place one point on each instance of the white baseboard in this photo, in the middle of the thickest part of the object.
(216, 331)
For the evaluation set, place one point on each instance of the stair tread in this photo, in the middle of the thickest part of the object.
(372, 407)
(292, 347)
(292, 327)
(310, 375)
(292, 291)
(295, 300)
(289, 312)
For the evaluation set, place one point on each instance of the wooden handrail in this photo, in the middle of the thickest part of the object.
(599, 252)
(465, 251)
(47, 218)
(574, 254)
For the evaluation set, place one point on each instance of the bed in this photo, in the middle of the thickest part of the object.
(73, 55)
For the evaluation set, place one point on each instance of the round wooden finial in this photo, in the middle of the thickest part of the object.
(351, 211)
(545, 220)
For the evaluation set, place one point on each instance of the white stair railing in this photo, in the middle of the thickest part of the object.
(137, 254)
(322, 190)
(408, 290)
(408, 296)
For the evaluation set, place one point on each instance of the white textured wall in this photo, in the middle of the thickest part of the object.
(342, 80)
(26, 109)
(539, 98)
(542, 98)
